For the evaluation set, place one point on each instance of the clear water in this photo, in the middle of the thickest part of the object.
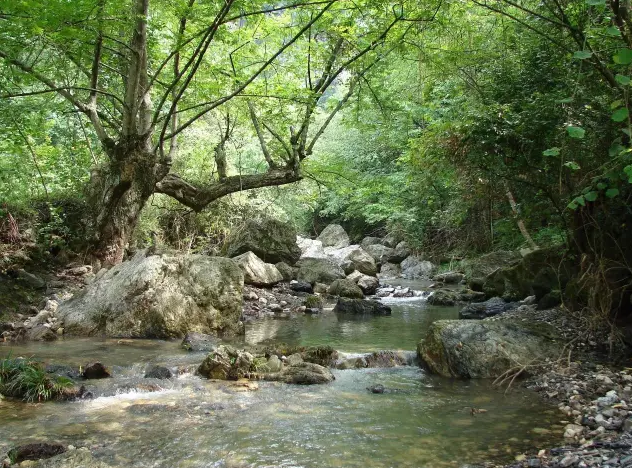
(196, 423)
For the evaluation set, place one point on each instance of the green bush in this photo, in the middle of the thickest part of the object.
(20, 378)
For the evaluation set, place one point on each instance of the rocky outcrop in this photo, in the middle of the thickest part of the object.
(160, 296)
(303, 373)
(538, 273)
(369, 240)
(287, 272)
(485, 348)
(256, 271)
(478, 268)
(490, 308)
(449, 277)
(334, 236)
(368, 284)
(401, 252)
(416, 268)
(353, 258)
(270, 240)
(318, 270)
(345, 288)
(361, 307)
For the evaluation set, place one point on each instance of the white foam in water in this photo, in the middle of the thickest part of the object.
(420, 296)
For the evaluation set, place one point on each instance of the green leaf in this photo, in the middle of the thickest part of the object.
(601, 186)
(613, 31)
(620, 114)
(582, 54)
(623, 57)
(572, 205)
(555, 151)
(595, 2)
(622, 80)
(615, 150)
(628, 172)
(627, 131)
(565, 100)
(611, 193)
(572, 165)
(580, 201)
(615, 104)
(591, 196)
(575, 132)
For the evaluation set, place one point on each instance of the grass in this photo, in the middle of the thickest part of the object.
(21, 378)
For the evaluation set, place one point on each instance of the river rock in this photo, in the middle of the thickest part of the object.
(345, 288)
(390, 270)
(368, 284)
(449, 277)
(361, 307)
(311, 248)
(478, 268)
(484, 348)
(271, 240)
(256, 271)
(377, 359)
(353, 258)
(392, 239)
(380, 253)
(32, 280)
(197, 342)
(335, 236)
(301, 286)
(227, 363)
(40, 333)
(489, 308)
(443, 297)
(158, 372)
(416, 268)
(287, 272)
(160, 296)
(35, 451)
(274, 364)
(321, 355)
(370, 240)
(318, 270)
(95, 371)
(63, 370)
(303, 373)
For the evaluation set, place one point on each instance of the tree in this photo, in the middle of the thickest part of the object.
(144, 71)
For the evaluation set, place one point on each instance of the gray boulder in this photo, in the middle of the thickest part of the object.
(380, 253)
(390, 270)
(353, 258)
(443, 297)
(368, 284)
(415, 268)
(318, 270)
(449, 277)
(227, 363)
(484, 348)
(303, 373)
(391, 240)
(160, 296)
(480, 267)
(345, 288)
(40, 333)
(401, 252)
(270, 240)
(311, 248)
(490, 308)
(369, 240)
(158, 372)
(335, 236)
(256, 271)
(361, 307)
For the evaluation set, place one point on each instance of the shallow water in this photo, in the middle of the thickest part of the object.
(197, 423)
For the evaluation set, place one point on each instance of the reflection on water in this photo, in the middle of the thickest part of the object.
(197, 423)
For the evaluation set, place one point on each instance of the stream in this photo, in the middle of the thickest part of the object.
(192, 422)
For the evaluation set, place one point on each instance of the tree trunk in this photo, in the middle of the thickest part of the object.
(118, 194)
(519, 220)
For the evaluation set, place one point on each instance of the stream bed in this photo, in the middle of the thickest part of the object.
(192, 422)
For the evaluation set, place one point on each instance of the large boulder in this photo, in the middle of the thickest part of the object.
(380, 253)
(160, 296)
(370, 240)
(361, 307)
(345, 288)
(227, 363)
(311, 248)
(286, 271)
(270, 240)
(480, 267)
(390, 270)
(490, 308)
(484, 348)
(256, 271)
(368, 284)
(334, 236)
(318, 270)
(538, 273)
(353, 258)
(416, 268)
(401, 252)
(449, 277)
(443, 297)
